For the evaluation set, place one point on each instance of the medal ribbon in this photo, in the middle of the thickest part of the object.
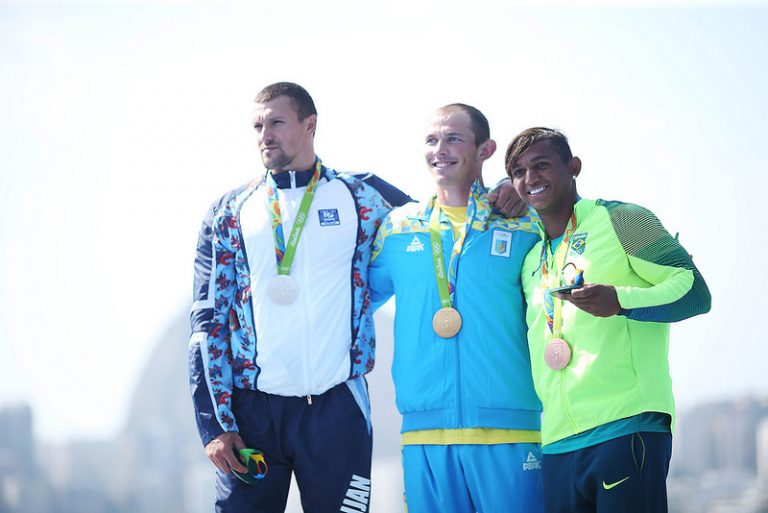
(284, 253)
(477, 205)
(553, 306)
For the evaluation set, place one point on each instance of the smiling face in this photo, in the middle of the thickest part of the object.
(285, 141)
(452, 156)
(544, 180)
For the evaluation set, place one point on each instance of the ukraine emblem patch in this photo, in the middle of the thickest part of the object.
(502, 243)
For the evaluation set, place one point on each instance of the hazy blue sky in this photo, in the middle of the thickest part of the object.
(120, 123)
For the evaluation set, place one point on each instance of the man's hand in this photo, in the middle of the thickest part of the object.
(598, 300)
(505, 199)
(222, 451)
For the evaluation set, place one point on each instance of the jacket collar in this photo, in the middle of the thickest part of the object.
(476, 198)
(302, 178)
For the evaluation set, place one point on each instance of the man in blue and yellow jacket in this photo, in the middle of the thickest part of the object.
(461, 366)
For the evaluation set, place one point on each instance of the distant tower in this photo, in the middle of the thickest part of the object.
(16, 440)
(22, 489)
(762, 451)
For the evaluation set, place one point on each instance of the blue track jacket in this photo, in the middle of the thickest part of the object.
(480, 378)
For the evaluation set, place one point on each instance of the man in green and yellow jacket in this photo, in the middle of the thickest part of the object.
(601, 287)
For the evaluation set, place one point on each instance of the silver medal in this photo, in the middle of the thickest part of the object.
(282, 289)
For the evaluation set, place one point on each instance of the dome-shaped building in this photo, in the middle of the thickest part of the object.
(161, 465)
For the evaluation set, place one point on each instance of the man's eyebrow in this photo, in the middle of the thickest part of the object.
(539, 157)
(535, 158)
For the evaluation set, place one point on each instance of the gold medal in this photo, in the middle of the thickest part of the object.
(557, 354)
(446, 322)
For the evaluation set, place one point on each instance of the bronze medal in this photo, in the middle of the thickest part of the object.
(557, 354)
(446, 322)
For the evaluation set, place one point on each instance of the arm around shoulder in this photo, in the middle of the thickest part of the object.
(394, 196)
(380, 286)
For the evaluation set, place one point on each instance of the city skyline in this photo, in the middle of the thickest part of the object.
(156, 462)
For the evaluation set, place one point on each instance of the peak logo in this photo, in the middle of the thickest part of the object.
(531, 463)
(415, 245)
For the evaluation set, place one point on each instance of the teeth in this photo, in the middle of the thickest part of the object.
(537, 190)
(443, 164)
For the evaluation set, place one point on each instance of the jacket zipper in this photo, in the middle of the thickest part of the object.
(566, 405)
(305, 344)
(459, 402)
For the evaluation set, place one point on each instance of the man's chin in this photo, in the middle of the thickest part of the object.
(275, 164)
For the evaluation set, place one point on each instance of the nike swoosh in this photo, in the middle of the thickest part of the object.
(613, 485)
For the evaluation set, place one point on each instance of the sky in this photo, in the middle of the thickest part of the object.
(121, 122)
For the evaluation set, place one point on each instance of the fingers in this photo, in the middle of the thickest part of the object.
(233, 461)
(598, 300)
(515, 207)
(222, 451)
(212, 450)
(500, 194)
(586, 304)
(583, 292)
(510, 205)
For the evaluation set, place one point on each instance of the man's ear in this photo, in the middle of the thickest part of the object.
(311, 124)
(486, 150)
(575, 166)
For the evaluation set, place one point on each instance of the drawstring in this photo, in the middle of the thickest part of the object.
(634, 458)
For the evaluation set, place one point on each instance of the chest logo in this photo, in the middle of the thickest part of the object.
(501, 244)
(329, 217)
(415, 245)
(578, 243)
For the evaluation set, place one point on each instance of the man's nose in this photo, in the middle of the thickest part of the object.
(265, 135)
(530, 176)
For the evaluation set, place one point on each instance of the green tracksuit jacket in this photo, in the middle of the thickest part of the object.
(619, 367)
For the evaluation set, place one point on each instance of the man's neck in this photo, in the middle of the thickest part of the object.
(453, 196)
(299, 164)
(556, 222)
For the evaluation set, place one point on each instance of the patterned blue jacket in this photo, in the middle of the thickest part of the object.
(241, 339)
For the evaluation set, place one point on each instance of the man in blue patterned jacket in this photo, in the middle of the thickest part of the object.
(282, 329)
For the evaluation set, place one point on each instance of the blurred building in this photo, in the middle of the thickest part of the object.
(717, 456)
(720, 437)
(762, 451)
(23, 488)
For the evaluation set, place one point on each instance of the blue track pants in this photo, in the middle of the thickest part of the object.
(326, 444)
(502, 478)
(624, 475)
